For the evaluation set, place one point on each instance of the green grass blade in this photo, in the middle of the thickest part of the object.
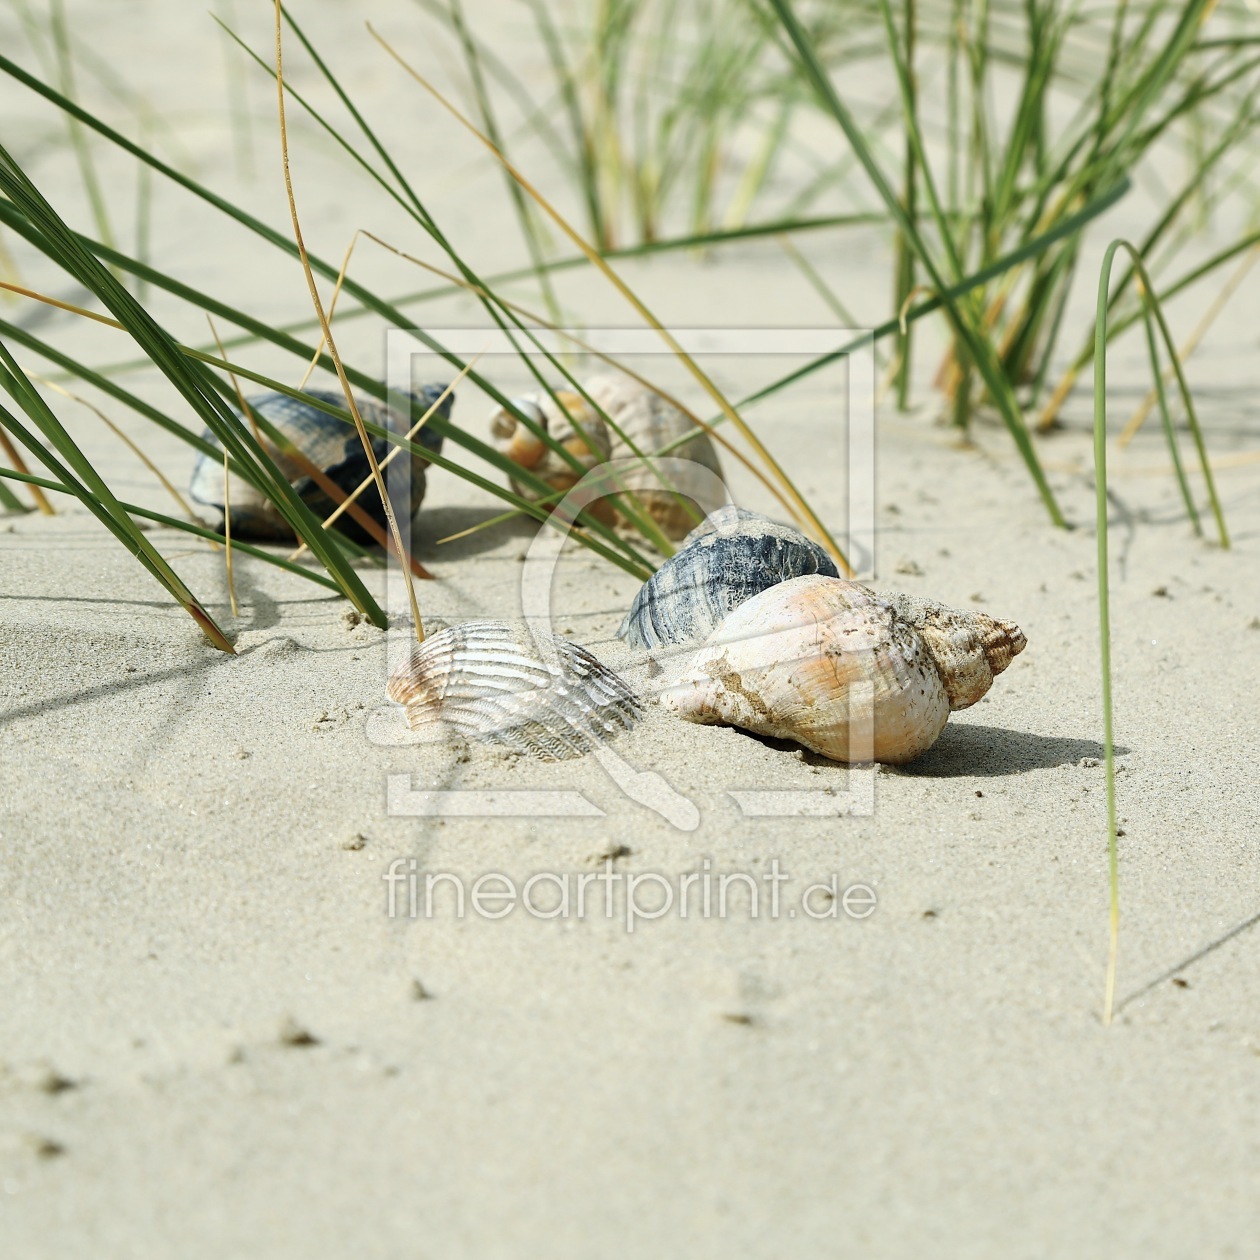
(1170, 434)
(93, 492)
(191, 378)
(1104, 619)
(978, 348)
(187, 527)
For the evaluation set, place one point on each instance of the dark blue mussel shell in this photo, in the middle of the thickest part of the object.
(334, 448)
(732, 555)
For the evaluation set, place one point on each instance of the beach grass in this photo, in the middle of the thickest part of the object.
(988, 221)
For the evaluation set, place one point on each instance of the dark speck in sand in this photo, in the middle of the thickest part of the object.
(46, 1147)
(293, 1034)
(614, 853)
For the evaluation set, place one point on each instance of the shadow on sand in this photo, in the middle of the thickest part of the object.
(969, 750)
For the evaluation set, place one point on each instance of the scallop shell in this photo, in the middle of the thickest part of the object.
(572, 424)
(846, 672)
(493, 681)
(650, 422)
(333, 447)
(731, 556)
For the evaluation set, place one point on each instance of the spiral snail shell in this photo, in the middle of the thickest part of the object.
(642, 424)
(568, 421)
(842, 670)
(644, 420)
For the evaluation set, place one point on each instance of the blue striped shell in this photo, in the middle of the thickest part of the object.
(333, 447)
(732, 555)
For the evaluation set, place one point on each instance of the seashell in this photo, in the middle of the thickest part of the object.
(842, 670)
(493, 681)
(650, 423)
(573, 425)
(970, 648)
(333, 448)
(731, 556)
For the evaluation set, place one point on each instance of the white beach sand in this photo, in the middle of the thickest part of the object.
(216, 1040)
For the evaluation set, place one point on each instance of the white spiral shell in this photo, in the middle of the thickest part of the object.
(572, 425)
(848, 673)
(651, 423)
(642, 424)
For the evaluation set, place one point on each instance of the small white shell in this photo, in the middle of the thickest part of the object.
(836, 667)
(587, 441)
(650, 423)
(493, 681)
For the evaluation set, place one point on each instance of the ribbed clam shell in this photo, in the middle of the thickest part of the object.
(732, 556)
(488, 680)
(840, 669)
(651, 423)
(330, 445)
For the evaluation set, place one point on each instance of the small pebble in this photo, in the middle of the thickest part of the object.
(46, 1147)
(293, 1034)
(354, 842)
(47, 1080)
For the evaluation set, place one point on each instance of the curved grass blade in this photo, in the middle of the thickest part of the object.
(978, 347)
(92, 491)
(1104, 619)
(186, 527)
(191, 378)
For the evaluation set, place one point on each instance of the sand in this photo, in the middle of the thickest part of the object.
(216, 1039)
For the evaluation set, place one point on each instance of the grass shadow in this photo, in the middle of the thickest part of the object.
(436, 523)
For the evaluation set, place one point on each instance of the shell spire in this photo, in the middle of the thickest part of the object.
(970, 649)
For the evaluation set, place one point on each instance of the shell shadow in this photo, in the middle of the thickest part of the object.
(971, 750)
(432, 524)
